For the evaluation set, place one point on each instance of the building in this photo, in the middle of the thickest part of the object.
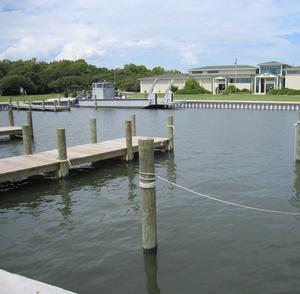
(259, 80)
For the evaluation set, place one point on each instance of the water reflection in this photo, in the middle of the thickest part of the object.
(65, 192)
(150, 268)
(295, 201)
(132, 187)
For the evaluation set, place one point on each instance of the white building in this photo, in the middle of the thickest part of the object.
(259, 80)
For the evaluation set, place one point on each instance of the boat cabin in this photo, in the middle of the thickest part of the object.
(103, 90)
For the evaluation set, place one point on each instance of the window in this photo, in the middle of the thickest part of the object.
(293, 72)
(274, 69)
(240, 81)
(270, 79)
(197, 72)
(212, 71)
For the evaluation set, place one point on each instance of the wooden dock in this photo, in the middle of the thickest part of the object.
(40, 107)
(24, 166)
(10, 131)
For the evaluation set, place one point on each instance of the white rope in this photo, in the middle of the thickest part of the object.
(227, 202)
(65, 160)
(147, 182)
(173, 131)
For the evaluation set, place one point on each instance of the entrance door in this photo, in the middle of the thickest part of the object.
(262, 85)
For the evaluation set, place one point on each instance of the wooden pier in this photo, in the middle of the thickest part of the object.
(10, 131)
(40, 107)
(24, 166)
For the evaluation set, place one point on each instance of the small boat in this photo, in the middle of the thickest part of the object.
(103, 95)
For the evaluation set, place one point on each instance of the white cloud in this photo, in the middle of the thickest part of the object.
(189, 55)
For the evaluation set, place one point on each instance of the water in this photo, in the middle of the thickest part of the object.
(84, 233)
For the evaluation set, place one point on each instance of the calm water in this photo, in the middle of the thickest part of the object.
(84, 233)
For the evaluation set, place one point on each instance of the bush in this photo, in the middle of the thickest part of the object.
(246, 91)
(192, 87)
(174, 89)
(284, 91)
(231, 90)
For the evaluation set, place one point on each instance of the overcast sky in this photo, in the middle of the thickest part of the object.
(173, 34)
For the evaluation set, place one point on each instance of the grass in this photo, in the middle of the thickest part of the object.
(28, 97)
(237, 97)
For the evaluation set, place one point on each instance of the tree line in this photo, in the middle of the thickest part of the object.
(68, 76)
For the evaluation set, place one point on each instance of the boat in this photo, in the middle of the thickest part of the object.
(103, 96)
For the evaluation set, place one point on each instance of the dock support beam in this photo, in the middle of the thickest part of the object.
(43, 105)
(11, 121)
(133, 125)
(29, 122)
(93, 129)
(298, 138)
(18, 105)
(128, 136)
(26, 134)
(148, 197)
(170, 125)
(62, 153)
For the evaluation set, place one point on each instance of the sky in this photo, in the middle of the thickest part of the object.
(172, 34)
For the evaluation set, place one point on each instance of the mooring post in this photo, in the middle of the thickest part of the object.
(55, 105)
(298, 138)
(128, 135)
(62, 153)
(18, 105)
(29, 122)
(170, 125)
(133, 125)
(69, 105)
(30, 105)
(10, 102)
(95, 101)
(93, 129)
(11, 121)
(26, 134)
(43, 105)
(147, 190)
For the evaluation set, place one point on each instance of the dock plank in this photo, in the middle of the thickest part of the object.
(23, 166)
(5, 131)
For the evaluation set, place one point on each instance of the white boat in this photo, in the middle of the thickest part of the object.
(103, 95)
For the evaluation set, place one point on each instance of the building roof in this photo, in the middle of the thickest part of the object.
(166, 77)
(272, 63)
(213, 67)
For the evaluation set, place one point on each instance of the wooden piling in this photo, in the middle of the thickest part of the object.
(147, 190)
(26, 134)
(62, 153)
(170, 125)
(10, 102)
(18, 105)
(93, 130)
(29, 122)
(133, 125)
(43, 105)
(95, 101)
(55, 105)
(128, 136)
(11, 121)
(298, 138)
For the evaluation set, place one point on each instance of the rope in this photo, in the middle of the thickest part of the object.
(65, 160)
(228, 202)
(145, 182)
(173, 131)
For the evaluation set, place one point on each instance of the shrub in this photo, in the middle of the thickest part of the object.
(246, 91)
(284, 91)
(192, 87)
(174, 89)
(231, 90)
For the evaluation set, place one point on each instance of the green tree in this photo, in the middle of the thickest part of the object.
(10, 85)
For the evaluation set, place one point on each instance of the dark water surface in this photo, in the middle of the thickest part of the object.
(84, 233)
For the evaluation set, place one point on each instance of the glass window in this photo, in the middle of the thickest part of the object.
(212, 71)
(270, 79)
(240, 81)
(196, 72)
(274, 69)
(293, 72)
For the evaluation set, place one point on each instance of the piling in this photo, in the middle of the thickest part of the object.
(298, 138)
(93, 130)
(18, 105)
(29, 121)
(62, 153)
(10, 113)
(128, 136)
(55, 105)
(10, 102)
(43, 105)
(26, 134)
(95, 101)
(148, 197)
(170, 125)
(133, 125)
(30, 105)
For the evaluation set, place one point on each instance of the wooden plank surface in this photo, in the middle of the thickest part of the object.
(23, 166)
(4, 131)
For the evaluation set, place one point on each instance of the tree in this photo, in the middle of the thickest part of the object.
(10, 85)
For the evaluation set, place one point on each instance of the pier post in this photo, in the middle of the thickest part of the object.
(55, 105)
(170, 125)
(18, 105)
(43, 105)
(10, 102)
(133, 125)
(30, 105)
(148, 197)
(95, 102)
(26, 134)
(298, 138)
(29, 121)
(11, 121)
(62, 153)
(93, 129)
(128, 135)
